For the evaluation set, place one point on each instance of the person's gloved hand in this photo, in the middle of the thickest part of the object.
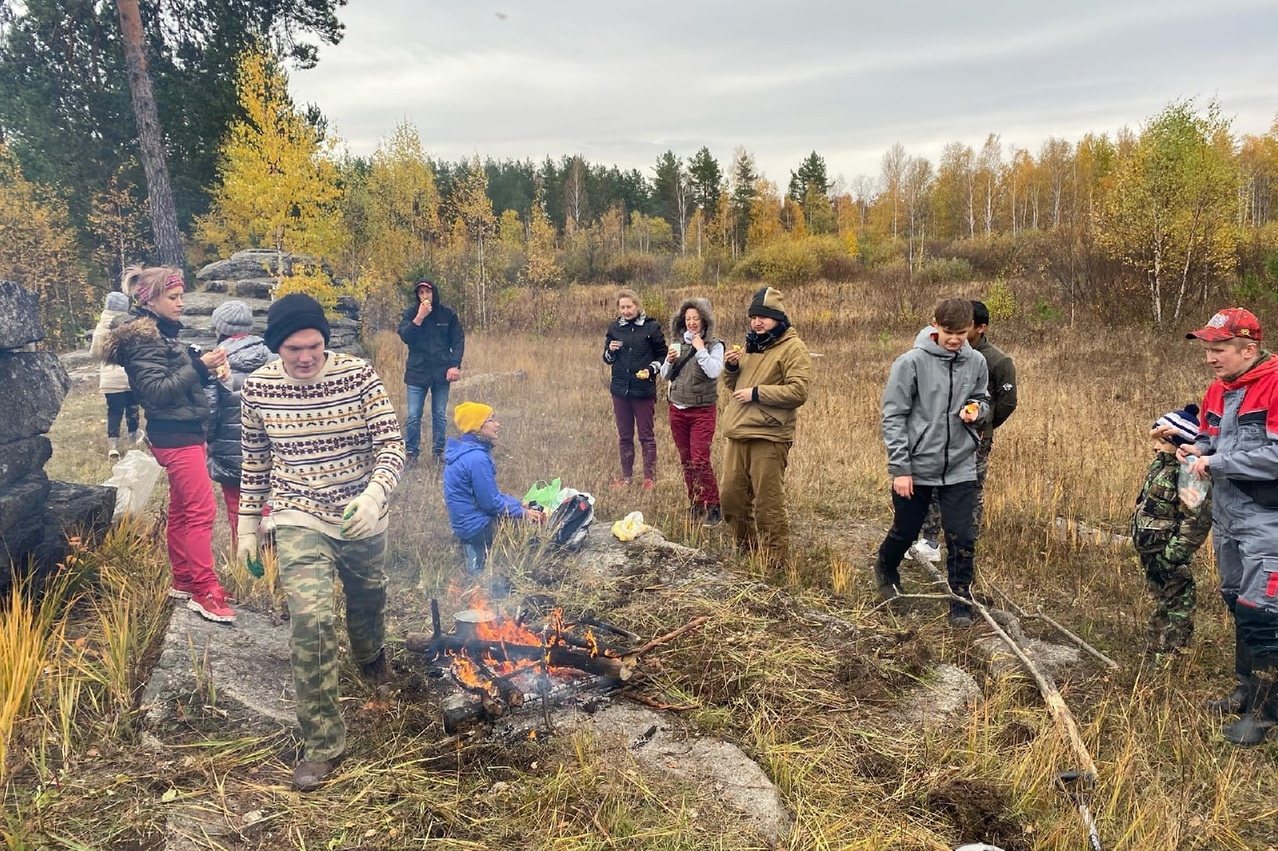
(249, 550)
(360, 517)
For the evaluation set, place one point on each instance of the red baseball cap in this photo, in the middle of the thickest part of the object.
(1228, 323)
(424, 283)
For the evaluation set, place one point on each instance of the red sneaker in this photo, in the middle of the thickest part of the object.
(620, 483)
(211, 605)
(181, 591)
(649, 484)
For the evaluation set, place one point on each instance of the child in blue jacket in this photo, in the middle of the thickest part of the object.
(472, 497)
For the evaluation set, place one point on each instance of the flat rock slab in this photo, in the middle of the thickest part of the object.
(947, 698)
(658, 743)
(1055, 659)
(243, 668)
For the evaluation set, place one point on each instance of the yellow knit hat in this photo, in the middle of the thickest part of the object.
(470, 416)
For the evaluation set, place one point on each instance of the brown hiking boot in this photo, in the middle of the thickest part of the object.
(377, 671)
(309, 775)
(887, 581)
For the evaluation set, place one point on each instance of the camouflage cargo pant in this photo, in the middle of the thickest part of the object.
(310, 562)
(1171, 585)
(932, 525)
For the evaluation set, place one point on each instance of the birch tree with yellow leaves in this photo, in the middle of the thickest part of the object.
(279, 184)
(1170, 214)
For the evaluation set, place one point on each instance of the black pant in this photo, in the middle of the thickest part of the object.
(957, 502)
(121, 405)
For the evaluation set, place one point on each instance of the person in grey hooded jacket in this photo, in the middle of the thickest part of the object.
(245, 352)
(934, 403)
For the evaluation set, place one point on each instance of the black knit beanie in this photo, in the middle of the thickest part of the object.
(767, 302)
(291, 314)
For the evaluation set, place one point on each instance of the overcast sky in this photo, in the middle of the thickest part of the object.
(621, 82)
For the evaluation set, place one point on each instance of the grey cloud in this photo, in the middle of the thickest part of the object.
(620, 85)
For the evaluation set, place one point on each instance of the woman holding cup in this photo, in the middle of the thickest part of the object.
(693, 365)
(634, 346)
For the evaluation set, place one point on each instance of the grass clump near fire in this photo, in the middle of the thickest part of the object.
(817, 707)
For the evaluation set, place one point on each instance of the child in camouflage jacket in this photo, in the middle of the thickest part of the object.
(1166, 534)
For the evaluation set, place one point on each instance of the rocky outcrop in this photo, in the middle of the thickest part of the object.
(36, 515)
(249, 276)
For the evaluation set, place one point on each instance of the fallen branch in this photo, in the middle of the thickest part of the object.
(668, 637)
(1040, 615)
(657, 704)
(1056, 708)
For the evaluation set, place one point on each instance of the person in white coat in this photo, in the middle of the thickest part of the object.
(112, 380)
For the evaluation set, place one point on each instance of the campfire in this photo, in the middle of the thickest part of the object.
(501, 663)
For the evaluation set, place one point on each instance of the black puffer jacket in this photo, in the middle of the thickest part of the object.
(243, 355)
(166, 375)
(643, 346)
(434, 347)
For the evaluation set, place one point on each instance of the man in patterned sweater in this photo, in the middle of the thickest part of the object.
(322, 442)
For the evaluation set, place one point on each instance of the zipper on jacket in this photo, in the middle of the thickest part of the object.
(949, 403)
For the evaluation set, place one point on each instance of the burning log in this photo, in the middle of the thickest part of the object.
(618, 668)
(461, 709)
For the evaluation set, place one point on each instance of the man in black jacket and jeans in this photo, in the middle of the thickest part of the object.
(435, 343)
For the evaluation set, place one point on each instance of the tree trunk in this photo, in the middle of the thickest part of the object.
(168, 243)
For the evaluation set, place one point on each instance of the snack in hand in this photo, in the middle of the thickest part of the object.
(642, 374)
(224, 372)
(1192, 497)
(971, 409)
(736, 347)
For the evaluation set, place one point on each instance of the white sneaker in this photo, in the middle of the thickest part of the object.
(925, 550)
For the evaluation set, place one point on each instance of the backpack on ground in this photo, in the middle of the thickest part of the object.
(569, 523)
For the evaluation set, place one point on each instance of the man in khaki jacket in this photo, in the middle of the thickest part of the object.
(766, 384)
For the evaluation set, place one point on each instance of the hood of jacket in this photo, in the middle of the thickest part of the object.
(1260, 369)
(459, 447)
(678, 326)
(926, 340)
(133, 327)
(247, 353)
(437, 301)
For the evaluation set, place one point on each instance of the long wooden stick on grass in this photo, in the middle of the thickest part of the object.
(1056, 708)
(1040, 615)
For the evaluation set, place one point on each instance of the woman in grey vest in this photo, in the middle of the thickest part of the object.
(692, 367)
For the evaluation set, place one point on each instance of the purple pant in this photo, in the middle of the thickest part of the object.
(629, 414)
(693, 432)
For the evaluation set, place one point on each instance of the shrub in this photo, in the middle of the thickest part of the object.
(787, 262)
(688, 271)
(944, 271)
(989, 254)
(1001, 301)
(634, 267)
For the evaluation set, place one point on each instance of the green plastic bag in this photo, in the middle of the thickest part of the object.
(545, 495)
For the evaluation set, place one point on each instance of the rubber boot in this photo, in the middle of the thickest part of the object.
(1237, 701)
(1251, 729)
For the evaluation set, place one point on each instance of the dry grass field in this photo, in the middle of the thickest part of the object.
(78, 771)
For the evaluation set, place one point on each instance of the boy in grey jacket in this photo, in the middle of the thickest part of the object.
(934, 404)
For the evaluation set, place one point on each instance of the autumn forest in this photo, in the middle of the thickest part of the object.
(1144, 223)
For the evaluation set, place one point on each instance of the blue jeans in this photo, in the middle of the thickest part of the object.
(438, 417)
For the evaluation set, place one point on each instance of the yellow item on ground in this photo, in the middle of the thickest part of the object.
(630, 527)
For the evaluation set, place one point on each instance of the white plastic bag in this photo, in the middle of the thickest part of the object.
(133, 477)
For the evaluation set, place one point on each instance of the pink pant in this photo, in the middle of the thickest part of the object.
(693, 432)
(192, 511)
(635, 415)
